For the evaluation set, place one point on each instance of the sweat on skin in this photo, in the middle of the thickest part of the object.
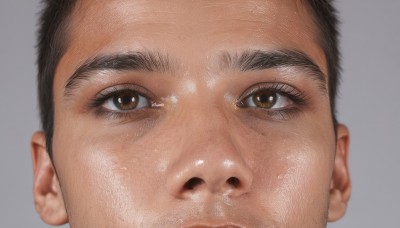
(192, 114)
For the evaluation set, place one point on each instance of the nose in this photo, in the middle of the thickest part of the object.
(212, 167)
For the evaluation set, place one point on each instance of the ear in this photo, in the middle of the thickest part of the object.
(46, 189)
(341, 184)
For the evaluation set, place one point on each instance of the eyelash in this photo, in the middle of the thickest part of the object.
(298, 98)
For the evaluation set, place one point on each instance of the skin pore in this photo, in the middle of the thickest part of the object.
(192, 114)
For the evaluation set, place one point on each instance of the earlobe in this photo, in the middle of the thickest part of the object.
(46, 189)
(341, 184)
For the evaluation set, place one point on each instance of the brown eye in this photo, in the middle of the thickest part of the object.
(126, 100)
(265, 99)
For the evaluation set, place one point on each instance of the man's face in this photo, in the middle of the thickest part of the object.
(193, 113)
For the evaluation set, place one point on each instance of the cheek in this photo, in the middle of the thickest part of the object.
(300, 186)
(293, 173)
(105, 175)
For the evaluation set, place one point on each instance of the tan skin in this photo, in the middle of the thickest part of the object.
(204, 144)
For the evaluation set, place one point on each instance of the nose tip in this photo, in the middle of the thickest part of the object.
(226, 178)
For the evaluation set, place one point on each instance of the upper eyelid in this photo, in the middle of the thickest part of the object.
(122, 87)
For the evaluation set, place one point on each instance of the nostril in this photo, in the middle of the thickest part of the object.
(234, 182)
(193, 183)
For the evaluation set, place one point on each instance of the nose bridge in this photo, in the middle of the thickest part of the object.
(208, 160)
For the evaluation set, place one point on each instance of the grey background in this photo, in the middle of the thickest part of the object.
(368, 104)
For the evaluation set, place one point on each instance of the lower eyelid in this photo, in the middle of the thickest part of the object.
(274, 115)
(127, 116)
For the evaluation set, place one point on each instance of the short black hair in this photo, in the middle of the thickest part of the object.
(51, 45)
(327, 22)
(53, 40)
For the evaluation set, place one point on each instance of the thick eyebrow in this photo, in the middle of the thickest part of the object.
(250, 60)
(253, 60)
(132, 61)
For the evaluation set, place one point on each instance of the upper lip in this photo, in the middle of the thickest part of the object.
(213, 224)
(201, 226)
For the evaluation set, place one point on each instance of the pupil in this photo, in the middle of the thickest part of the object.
(265, 99)
(126, 99)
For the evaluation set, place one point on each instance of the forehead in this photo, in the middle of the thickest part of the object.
(181, 28)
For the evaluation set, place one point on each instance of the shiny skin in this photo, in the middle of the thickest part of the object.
(172, 165)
